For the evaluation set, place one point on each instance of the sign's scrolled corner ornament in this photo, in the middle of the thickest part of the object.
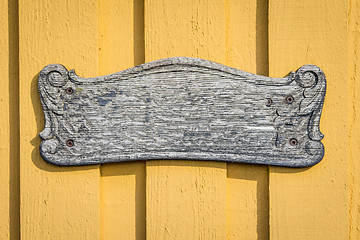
(182, 108)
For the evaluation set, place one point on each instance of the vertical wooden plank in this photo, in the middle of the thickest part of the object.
(185, 199)
(313, 203)
(247, 185)
(14, 121)
(56, 202)
(123, 201)
(121, 26)
(9, 119)
(354, 120)
(5, 130)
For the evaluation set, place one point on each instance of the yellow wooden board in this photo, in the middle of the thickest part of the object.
(4, 133)
(185, 199)
(9, 119)
(313, 203)
(56, 202)
(179, 199)
(247, 185)
(122, 185)
(354, 117)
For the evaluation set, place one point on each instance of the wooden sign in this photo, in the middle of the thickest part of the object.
(182, 108)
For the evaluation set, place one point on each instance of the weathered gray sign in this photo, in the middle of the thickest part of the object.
(182, 108)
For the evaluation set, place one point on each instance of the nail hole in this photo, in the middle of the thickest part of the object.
(70, 143)
(289, 99)
(69, 90)
(269, 101)
(293, 142)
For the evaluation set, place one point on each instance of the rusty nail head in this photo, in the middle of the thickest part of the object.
(269, 102)
(69, 90)
(293, 142)
(70, 143)
(289, 99)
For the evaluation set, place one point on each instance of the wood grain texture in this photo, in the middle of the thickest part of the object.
(123, 201)
(353, 118)
(185, 200)
(9, 119)
(247, 185)
(122, 189)
(5, 133)
(56, 203)
(309, 204)
(182, 108)
(313, 203)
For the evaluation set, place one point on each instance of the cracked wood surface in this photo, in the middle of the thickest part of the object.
(182, 108)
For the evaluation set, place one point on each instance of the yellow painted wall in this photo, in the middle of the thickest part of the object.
(179, 199)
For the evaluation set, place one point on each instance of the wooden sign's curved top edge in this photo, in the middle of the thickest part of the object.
(314, 92)
(165, 62)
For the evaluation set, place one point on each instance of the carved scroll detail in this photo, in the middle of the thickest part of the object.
(182, 108)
